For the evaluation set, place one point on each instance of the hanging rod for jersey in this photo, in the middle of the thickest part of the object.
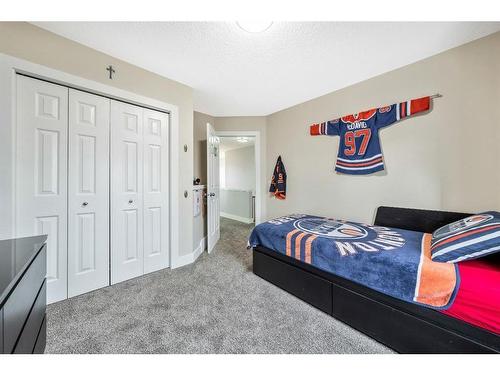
(438, 95)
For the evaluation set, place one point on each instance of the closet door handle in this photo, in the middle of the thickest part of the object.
(130, 201)
(85, 204)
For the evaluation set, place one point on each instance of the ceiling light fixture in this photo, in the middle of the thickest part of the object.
(254, 26)
(242, 139)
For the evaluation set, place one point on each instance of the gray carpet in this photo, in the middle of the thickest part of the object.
(216, 305)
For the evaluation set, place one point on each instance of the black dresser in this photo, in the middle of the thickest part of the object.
(23, 300)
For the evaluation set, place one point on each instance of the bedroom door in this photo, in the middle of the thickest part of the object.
(41, 173)
(88, 193)
(213, 187)
(127, 251)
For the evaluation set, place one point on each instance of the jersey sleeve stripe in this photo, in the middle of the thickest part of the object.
(315, 129)
(318, 129)
(420, 104)
(411, 107)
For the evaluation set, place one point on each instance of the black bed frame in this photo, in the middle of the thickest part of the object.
(402, 326)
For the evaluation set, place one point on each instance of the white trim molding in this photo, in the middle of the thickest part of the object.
(184, 260)
(246, 220)
(11, 66)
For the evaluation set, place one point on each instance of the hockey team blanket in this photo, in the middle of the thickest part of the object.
(393, 261)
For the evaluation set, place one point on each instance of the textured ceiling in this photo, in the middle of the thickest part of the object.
(236, 73)
(231, 143)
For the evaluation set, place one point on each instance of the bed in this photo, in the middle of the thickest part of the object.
(403, 326)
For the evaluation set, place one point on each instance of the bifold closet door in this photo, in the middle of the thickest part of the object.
(127, 251)
(140, 188)
(88, 192)
(156, 183)
(41, 173)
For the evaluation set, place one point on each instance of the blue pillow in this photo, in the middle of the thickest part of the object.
(473, 237)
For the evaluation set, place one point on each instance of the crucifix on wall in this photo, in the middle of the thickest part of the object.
(111, 71)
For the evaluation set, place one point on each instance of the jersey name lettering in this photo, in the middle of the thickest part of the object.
(357, 125)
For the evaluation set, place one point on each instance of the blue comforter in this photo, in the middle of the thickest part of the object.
(392, 261)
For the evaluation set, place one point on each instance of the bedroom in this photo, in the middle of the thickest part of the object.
(106, 137)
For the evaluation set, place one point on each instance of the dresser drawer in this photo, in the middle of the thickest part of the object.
(20, 302)
(27, 339)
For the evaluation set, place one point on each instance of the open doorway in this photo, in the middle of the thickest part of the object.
(233, 179)
(237, 178)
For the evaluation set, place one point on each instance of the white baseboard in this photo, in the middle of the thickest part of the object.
(245, 220)
(184, 260)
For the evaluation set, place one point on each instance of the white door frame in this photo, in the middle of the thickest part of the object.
(258, 182)
(9, 67)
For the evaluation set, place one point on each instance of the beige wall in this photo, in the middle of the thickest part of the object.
(257, 123)
(447, 159)
(240, 168)
(31, 43)
(200, 121)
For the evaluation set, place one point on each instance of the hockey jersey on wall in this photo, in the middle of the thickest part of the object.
(359, 148)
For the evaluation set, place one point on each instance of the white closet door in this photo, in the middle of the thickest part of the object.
(127, 256)
(156, 225)
(41, 173)
(88, 193)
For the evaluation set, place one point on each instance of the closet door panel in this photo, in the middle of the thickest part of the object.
(88, 200)
(127, 251)
(41, 173)
(156, 172)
